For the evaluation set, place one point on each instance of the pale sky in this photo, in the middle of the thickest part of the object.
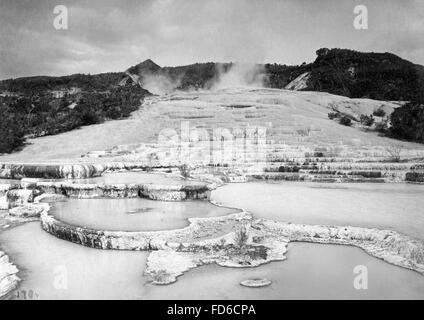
(107, 35)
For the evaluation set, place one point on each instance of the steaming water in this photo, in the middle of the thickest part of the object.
(386, 206)
(133, 214)
(46, 261)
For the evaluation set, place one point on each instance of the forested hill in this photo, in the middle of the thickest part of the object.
(381, 76)
(39, 106)
(84, 82)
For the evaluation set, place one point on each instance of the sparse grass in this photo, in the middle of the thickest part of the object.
(367, 120)
(151, 158)
(332, 115)
(417, 254)
(304, 132)
(184, 170)
(241, 237)
(394, 151)
(160, 276)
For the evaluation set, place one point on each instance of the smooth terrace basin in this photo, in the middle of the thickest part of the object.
(311, 271)
(135, 214)
(398, 207)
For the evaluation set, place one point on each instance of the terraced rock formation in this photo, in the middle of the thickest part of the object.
(8, 278)
(233, 135)
(237, 240)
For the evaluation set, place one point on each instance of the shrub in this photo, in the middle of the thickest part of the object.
(332, 115)
(408, 122)
(345, 121)
(367, 120)
(184, 170)
(379, 112)
(160, 276)
(304, 132)
(414, 176)
(394, 152)
(11, 131)
(241, 237)
(382, 127)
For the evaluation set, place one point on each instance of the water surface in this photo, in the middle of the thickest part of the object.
(397, 206)
(137, 214)
(311, 271)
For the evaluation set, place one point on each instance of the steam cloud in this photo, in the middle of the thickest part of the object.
(160, 84)
(240, 75)
(236, 75)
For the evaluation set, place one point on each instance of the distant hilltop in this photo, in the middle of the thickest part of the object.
(381, 76)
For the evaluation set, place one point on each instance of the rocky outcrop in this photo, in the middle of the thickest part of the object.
(199, 228)
(200, 191)
(24, 193)
(164, 266)
(388, 245)
(8, 278)
(70, 171)
(20, 197)
(29, 210)
(300, 83)
(255, 283)
(50, 171)
(219, 240)
(416, 174)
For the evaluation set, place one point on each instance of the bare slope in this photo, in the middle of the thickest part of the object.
(292, 120)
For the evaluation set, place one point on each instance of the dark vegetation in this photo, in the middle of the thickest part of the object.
(345, 121)
(379, 113)
(407, 122)
(367, 120)
(381, 76)
(85, 82)
(40, 106)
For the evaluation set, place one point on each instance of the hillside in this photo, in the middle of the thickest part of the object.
(84, 82)
(381, 76)
(195, 76)
(296, 124)
(41, 105)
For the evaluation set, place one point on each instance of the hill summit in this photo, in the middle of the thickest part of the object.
(145, 67)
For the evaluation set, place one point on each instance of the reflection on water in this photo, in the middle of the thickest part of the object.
(57, 269)
(388, 206)
(311, 271)
(133, 214)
